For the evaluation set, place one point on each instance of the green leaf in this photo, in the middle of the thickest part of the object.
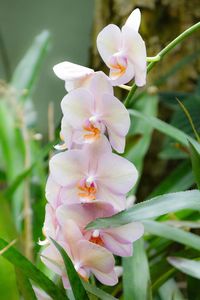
(187, 266)
(31, 272)
(172, 233)
(24, 286)
(165, 128)
(136, 278)
(75, 281)
(98, 292)
(187, 122)
(170, 291)
(178, 180)
(27, 70)
(193, 288)
(16, 183)
(151, 208)
(195, 159)
(148, 106)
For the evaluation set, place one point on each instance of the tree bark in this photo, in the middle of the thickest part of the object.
(162, 21)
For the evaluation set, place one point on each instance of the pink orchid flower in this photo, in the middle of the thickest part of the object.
(92, 112)
(93, 173)
(124, 51)
(87, 257)
(118, 240)
(74, 75)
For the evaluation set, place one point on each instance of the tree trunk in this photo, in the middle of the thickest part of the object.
(162, 21)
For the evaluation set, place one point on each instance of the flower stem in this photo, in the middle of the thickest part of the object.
(153, 58)
(161, 54)
(125, 87)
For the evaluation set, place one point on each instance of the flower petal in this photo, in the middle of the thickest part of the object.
(126, 76)
(136, 51)
(104, 194)
(52, 192)
(109, 42)
(117, 141)
(99, 84)
(67, 132)
(95, 257)
(77, 107)
(134, 20)
(68, 167)
(116, 117)
(116, 173)
(50, 222)
(69, 71)
(106, 278)
(40, 294)
(127, 233)
(75, 212)
(52, 259)
(115, 246)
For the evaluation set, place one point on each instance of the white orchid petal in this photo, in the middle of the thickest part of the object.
(134, 20)
(136, 52)
(109, 41)
(69, 71)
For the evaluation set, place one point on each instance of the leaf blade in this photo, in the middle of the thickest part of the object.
(27, 69)
(154, 207)
(75, 281)
(187, 266)
(137, 284)
(172, 233)
(29, 270)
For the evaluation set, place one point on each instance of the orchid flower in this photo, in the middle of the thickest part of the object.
(118, 240)
(93, 173)
(124, 51)
(87, 257)
(74, 75)
(94, 111)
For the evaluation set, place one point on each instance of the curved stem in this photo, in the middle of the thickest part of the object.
(161, 54)
(153, 58)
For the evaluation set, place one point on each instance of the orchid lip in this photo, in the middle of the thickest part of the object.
(87, 189)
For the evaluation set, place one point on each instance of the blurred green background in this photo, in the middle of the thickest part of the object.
(69, 23)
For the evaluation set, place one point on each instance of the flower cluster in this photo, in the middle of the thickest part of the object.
(89, 181)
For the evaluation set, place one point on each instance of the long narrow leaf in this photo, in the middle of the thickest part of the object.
(98, 292)
(170, 291)
(151, 208)
(172, 233)
(136, 279)
(165, 128)
(27, 70)
(178, 180)
(24, 286)
(195, 159)
(30, 271)
(75, 281)
(187, 266)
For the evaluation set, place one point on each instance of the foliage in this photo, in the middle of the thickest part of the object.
(169, 251)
